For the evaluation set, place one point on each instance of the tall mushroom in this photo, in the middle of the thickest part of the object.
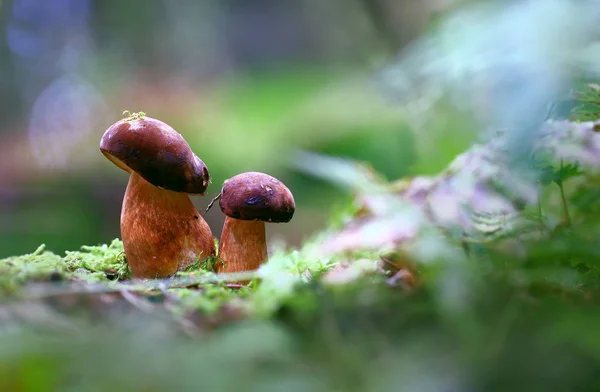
(249, 200)
(162, 231)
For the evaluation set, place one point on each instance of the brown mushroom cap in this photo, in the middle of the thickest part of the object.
(157, 153)
(257, 196)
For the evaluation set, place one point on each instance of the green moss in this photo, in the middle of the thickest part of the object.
(35, 266)
(196, 288)
(129, 116)
(99, 263)
(92, 264)
(209, 298)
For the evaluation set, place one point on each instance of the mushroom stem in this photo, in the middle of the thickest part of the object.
(162, 231)
(243, 245)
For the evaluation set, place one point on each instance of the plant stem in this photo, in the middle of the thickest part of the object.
(539, 205)
(564, 199)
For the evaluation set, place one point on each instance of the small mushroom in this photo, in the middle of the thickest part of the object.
(249, 200)
(162, 231)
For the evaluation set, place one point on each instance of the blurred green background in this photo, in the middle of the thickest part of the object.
(245, 82)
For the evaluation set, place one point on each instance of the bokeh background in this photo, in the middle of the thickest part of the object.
(246, 83)
(404, 85)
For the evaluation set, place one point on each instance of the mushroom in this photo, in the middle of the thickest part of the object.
(162, 231)
(248, 200)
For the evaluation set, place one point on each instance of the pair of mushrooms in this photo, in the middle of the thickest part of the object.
(162, 231)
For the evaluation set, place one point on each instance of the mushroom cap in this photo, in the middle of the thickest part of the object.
(257, 196)
(157, 153)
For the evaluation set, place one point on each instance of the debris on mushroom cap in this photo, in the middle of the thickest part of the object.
(257, 196)
(156, 152)
(129, 116)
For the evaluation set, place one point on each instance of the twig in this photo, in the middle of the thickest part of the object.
(136, 301)
(389, 263)
(213, 202)
(234, 285)
(46, 290)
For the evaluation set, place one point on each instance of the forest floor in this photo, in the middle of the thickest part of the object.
(460, 281)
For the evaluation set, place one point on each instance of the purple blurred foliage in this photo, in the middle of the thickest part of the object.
(478, 197)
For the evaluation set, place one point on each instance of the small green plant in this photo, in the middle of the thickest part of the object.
(588, 103)
(129, 116)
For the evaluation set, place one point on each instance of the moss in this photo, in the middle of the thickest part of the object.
(210, 298)
(38, 265)
(99, 263)
(196, 288)
(129, 116)
(92, 264)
